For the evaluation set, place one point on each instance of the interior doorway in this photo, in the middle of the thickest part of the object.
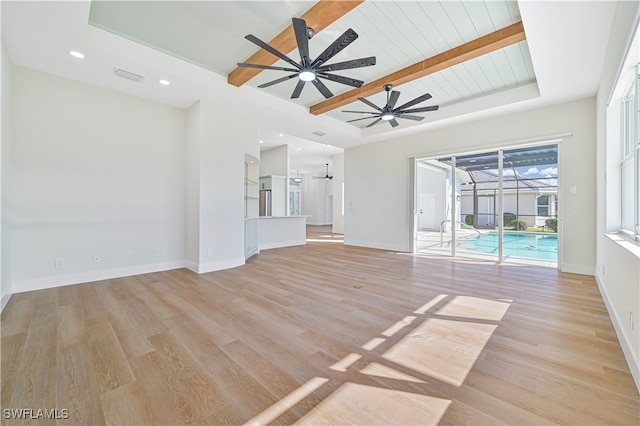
(328, 210)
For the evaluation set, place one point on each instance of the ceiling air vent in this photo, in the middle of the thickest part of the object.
(128, 75)
(319, 133)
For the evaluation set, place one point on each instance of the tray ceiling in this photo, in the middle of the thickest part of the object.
(398, 33)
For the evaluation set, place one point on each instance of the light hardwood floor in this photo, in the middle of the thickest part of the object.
(321, 334)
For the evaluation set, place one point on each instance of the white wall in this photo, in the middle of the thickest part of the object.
(5, 180)
(222, 137)
(618, 269)
(93, 172)
(338, 179)
(275, 161)
(192, 187)
(380, 218)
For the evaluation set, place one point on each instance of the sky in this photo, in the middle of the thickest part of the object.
(543, 172)
(546, 171)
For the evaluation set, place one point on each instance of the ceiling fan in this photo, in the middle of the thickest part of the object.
(311, 70)
(389, 113)
(326, 176)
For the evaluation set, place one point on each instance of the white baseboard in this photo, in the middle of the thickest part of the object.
(380, 246)
(5, 300)
(577, 269)
(632, 361)
(203, 268)
(279, 244)
(193, 266)
(85, 277)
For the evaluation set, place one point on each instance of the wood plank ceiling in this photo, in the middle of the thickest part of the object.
(418, 34)
(399, 33)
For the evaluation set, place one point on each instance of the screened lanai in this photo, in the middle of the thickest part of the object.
(459, 212)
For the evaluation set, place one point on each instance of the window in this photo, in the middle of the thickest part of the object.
(543, 205)
(629, 155)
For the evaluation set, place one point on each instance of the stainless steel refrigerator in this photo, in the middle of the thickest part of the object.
(265, 202)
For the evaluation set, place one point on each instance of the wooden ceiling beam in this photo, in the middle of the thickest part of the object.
(473, 49)
(320, 16)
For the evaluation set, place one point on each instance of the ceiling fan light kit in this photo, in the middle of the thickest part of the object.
(308, 70)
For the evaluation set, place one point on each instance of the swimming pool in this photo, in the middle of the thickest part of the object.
(518, 244)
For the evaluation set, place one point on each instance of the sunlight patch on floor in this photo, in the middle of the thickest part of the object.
(346, 362)
(430, 304)
(373, 343)
(398, 326)
(440, 348)
(379, 370)
(356, 404)
(443, 349)
(475, 307)
(277, 409)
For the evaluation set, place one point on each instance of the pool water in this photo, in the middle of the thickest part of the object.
(518, 244)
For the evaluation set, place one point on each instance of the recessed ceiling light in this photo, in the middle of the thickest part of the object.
(261, 141)
(164, 82)
(281, 134)
(76, 54)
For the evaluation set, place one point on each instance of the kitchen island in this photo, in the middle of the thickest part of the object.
(282, 231)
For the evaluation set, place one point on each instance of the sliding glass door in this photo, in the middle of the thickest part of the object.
(498, 205)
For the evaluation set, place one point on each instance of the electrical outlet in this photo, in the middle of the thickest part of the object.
(128, 255)
(156, 252)
(210, 252)
(603, 269)
(631, 324)
(59, 263)
(96, 258)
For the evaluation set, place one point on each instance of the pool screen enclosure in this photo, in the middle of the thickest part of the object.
(464, 196)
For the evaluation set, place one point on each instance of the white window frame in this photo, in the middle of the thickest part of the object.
(630, 157)
(548, 205)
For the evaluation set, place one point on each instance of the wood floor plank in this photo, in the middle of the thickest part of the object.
(132, 337)
(11, 351)
(69, 323)
(35, 384)
(17, 315)
(126, 406)
(77, 387)
(194, 391)
(276, 381)
(321, 333)
(108, 358)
